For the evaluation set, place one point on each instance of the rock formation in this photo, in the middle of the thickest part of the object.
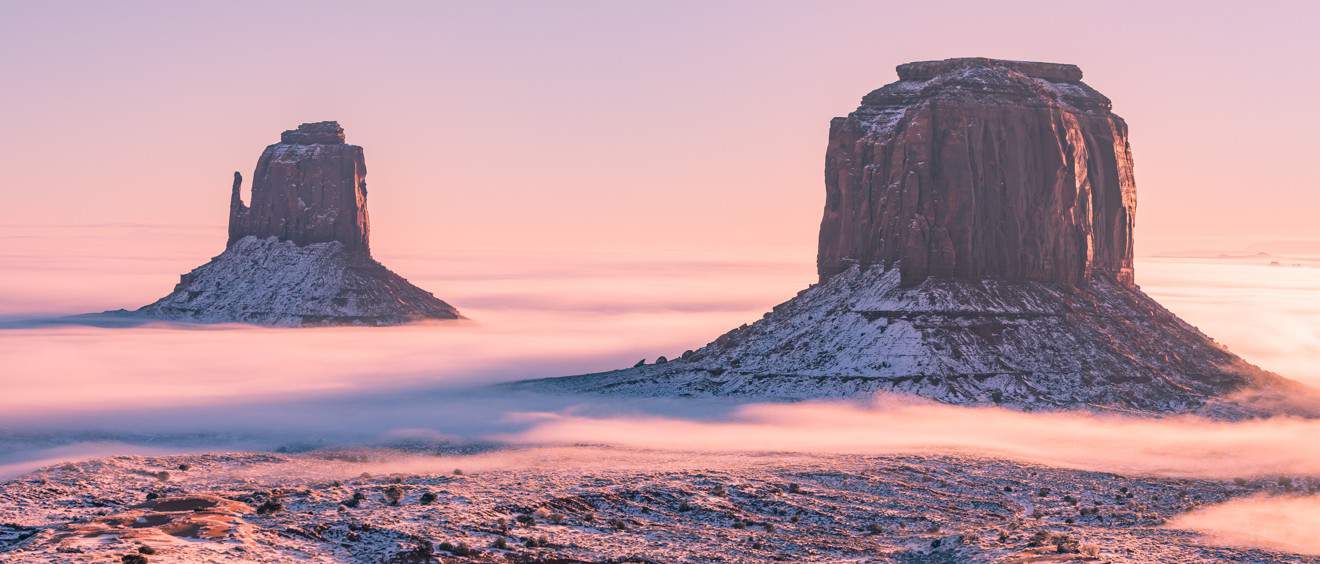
(976, 248)
(976, 168)
(300, 253)
(308, 188)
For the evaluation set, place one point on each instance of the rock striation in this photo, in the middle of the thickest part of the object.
(300, 253)
(978, 168)
(976, 248)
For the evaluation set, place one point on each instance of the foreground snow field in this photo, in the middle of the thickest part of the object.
(605, 504)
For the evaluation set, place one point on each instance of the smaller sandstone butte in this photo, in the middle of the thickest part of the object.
(979, 168)
(300, 253)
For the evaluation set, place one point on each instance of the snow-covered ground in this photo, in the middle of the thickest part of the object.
(599, 504)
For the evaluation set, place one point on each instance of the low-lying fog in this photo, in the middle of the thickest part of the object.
(78, 391)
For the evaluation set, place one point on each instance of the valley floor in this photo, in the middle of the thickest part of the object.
(603, 504)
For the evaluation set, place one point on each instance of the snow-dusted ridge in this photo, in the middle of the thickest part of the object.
(273, 282)
(1025, 345)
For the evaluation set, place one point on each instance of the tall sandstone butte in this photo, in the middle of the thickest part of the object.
(976, 248)
(979, 168)
(300, 254)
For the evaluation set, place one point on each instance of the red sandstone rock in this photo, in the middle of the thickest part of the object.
(979, 168)
(308, 188)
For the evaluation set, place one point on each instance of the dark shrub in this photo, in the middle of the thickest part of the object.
(393, 495)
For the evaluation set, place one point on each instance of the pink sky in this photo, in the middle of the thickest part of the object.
(624, 125)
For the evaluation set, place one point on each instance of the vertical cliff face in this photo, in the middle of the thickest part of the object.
(981, 169)
(308, 188)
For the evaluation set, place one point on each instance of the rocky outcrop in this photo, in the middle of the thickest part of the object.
(976, 248)
(308, 188)
(978, 168)
(1024, 345)
(300, 254)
